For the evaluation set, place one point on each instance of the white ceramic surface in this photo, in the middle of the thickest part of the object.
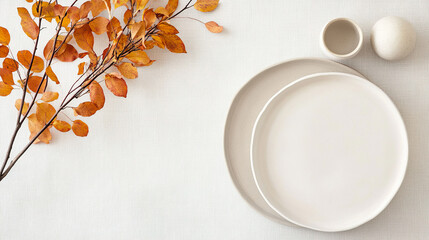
(393, 38)
(341, 38)
(246, 106)
(329, 151)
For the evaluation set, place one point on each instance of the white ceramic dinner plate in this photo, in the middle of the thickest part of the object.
(329, 151)
(244, 109)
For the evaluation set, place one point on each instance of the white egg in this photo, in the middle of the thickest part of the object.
(393, 38)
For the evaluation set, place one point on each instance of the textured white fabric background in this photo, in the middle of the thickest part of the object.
(153, 165)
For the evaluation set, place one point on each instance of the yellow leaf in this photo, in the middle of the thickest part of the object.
(35, 126)
(4, 36)
(28, 25)
(50, 96)
(139, 58)
(167, 28)
(171, 6)
(206, 5)
(61, 126)
(128, 70)
(213, 27)
(116, 84)
(119, 3)
(173, 43)
(24, 107)
(141, 4)
(80, 128)
(162, 11)
(5, 89)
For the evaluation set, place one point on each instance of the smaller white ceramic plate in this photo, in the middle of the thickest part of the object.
(329, 151)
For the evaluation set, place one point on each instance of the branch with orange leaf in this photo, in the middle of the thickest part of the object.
(129, 37)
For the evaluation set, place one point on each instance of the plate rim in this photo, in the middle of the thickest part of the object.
(402, 125)
(231, 173)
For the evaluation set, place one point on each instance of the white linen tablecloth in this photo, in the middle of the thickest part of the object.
(153, 165)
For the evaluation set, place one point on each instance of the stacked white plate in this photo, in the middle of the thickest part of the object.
(312, 143)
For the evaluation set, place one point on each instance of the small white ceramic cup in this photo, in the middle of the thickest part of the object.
(341, 38)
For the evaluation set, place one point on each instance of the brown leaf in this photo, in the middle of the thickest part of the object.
(4, 51)
(98, 6)
(128, 70)
(206, 5)
(81, 67)
(52, 75)
(171, 6)
(86, 109)
(173, 43)
(167, 28)
(24, 107)
(139, 58)
(35, 126)
(69, 55)
(116, 84)
(10, 64)
(80, 128)
(4, 36)
(24, 57)
(45, 112)
(6, 76)
(213, 27)
(84, 38)
(50, 96)
(28, 25)
(113, 28)
(5, 89)
(61, 126)
(34, 82)
(98, 25)
(96, 94)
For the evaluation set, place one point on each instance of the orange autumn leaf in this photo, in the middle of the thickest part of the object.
(61, 126)
(45, 112)
(86, 109)
(10, 64)
(149, 17)
(128, 16)
(47, 13)
(173, 43)
(138, 30)
(35, 126)
(25, 56)
(139, 58)
(85, 8)
(80, 128)
(167, 28)
(50, 96)
(6, 76)
(4, 51)
(158, 41)
(113, 28)
(69, 55)
(99, 25)
(99, 6)
(5, 89)
(206, 5)
(4, 36)
(74, 14)
(119, 3)
(171, 6)
(52, 75)
(162, 11)
(141, 4)
(81, 67)
(213, 27)
(28, 25)
(128, 70)
(96, 94)
(34, 82)
(116, 84)
(84, 38)
(25, 107)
